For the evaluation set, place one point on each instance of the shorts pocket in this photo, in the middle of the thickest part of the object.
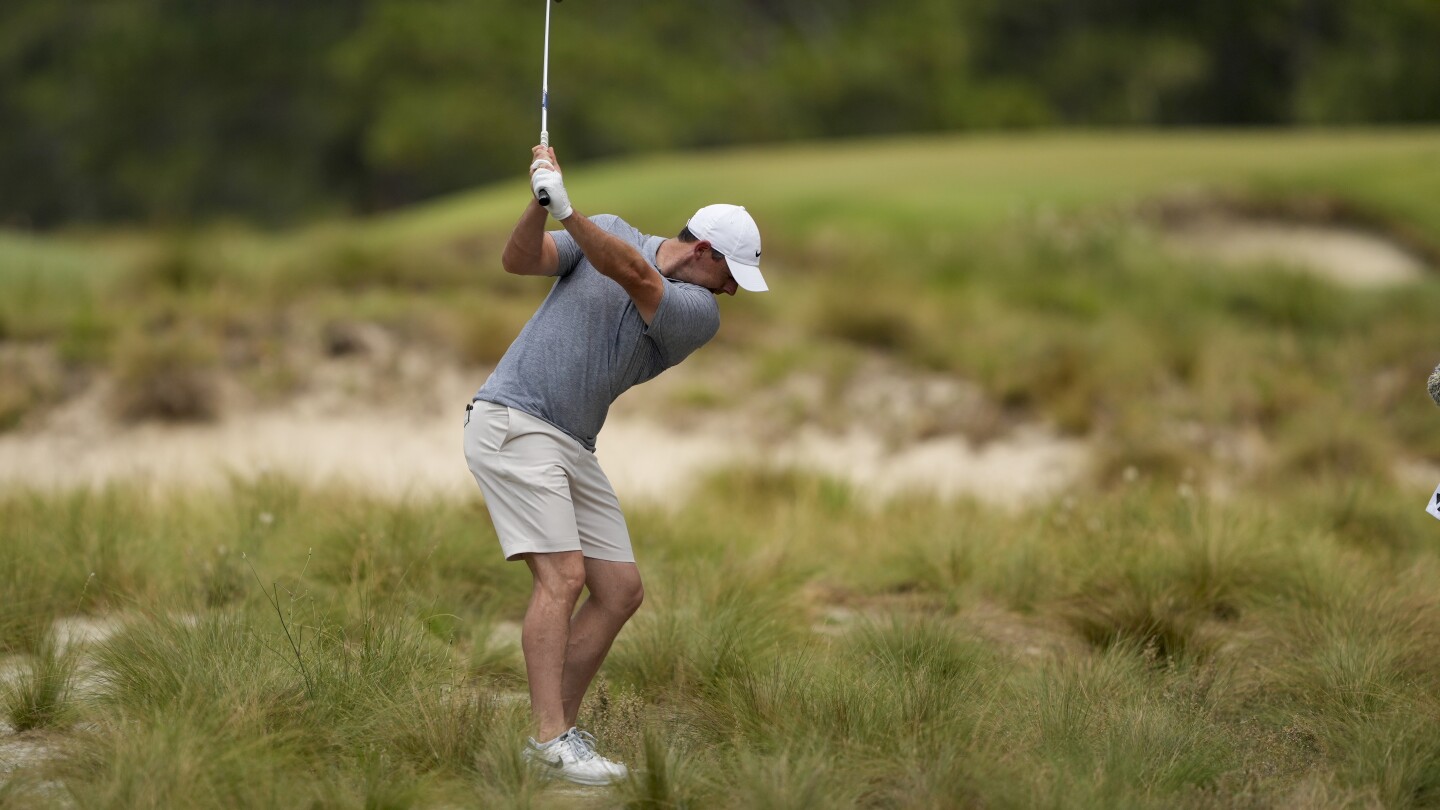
(497, 424)
(489, 426)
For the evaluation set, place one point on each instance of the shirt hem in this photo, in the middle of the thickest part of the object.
(528, 412)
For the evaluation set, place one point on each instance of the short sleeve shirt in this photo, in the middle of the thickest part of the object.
(587, 344)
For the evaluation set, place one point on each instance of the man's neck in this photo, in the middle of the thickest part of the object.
(667, 256)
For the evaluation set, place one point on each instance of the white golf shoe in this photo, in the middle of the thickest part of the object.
(572, 756)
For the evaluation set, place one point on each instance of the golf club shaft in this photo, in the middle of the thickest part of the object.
(544, 196)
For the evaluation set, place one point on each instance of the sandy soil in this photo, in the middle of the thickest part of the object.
(1346, 256)
(652, 451)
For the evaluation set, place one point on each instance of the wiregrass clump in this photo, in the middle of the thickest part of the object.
(167, 377)
(41, 694)
(33, 379)
(668, 775)
(704, 632)
(390, 711)
(1111, 732)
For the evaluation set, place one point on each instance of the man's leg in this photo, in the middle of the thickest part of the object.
(615, 595)
(559, 578)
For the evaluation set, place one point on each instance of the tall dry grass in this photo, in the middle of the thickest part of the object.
(1136, 647)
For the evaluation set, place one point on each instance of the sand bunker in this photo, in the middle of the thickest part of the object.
(397, 454)
(1344, 254)
(397, 449)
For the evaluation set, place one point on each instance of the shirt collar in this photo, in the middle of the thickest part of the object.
(651, 251)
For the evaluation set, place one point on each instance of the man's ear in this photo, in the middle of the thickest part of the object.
(702, 248)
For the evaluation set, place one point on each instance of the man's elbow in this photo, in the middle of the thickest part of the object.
(517, 266)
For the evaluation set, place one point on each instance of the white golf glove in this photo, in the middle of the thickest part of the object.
(550, 180)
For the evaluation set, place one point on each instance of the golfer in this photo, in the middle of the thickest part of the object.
(624, 307)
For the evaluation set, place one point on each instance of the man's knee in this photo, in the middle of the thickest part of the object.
(614, 587)
(632, 598)
(559, 577)
(623, 598)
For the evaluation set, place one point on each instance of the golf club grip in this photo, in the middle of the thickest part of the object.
(543, 196)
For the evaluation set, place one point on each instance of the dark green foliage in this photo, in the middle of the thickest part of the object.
(170, 111)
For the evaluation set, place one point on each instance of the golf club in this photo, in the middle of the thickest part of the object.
(542, 195)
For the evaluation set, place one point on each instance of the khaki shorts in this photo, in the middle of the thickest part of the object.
(545, 492)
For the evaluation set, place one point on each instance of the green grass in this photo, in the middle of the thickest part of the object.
(814, 193)
(41, 696)
(813, 200)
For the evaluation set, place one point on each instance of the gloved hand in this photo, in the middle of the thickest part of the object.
(542, 175)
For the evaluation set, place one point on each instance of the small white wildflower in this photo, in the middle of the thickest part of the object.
(267, 518)
(1131, 475)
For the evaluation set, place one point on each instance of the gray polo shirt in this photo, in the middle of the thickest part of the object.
(587, 343)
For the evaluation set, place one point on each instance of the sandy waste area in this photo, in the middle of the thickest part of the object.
(411, 444)
(390, 421)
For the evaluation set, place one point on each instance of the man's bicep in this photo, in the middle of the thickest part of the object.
(686, 319)
(567, 253)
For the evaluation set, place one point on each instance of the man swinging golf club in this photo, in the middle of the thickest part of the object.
(625, 306)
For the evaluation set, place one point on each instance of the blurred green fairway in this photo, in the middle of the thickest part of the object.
(888, 188)
(917, 185)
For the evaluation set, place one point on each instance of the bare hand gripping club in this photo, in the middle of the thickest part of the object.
(542, 195)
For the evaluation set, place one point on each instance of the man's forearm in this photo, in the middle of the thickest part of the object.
(525, 251)
(620, 261)
(612, 256)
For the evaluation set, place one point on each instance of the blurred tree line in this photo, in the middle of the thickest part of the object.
(170, 111)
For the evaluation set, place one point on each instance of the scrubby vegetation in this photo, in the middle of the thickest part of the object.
(1030, 273)
(1133, 645)
(1234, 608)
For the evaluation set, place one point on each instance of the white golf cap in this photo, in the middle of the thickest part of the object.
(731, 230)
